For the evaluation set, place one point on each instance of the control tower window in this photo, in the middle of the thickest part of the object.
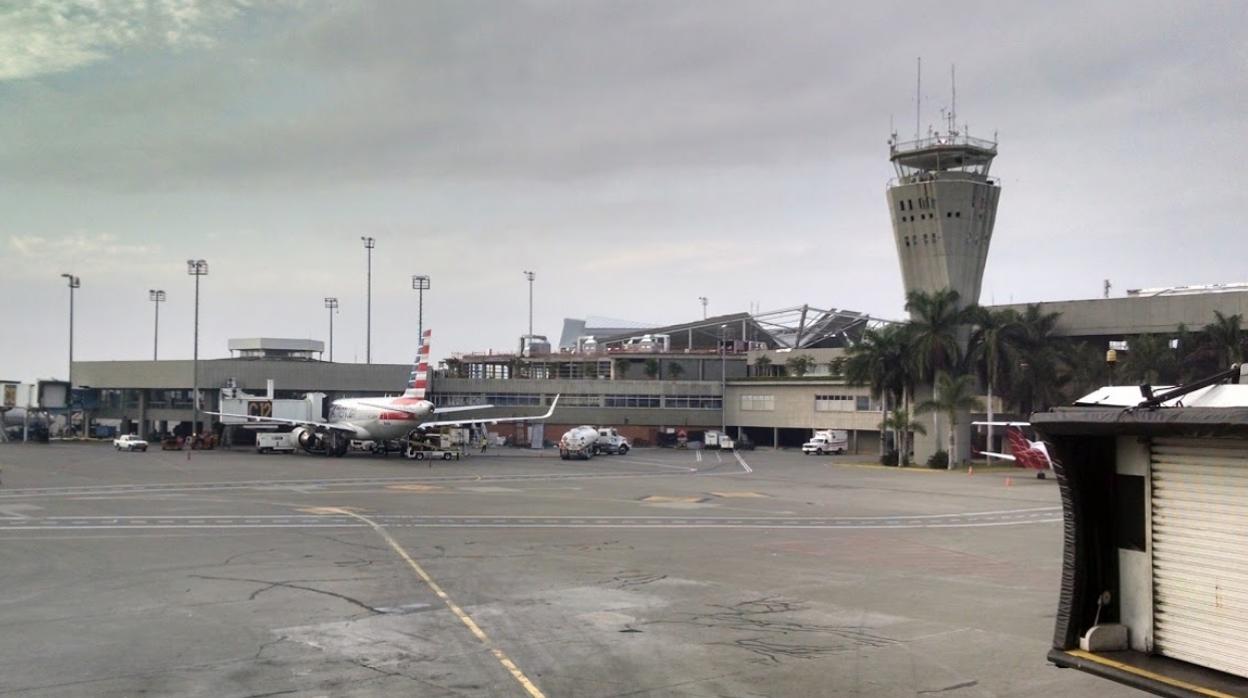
(901, 205)
(958, 214)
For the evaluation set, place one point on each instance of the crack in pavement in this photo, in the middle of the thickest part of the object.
(270, 584)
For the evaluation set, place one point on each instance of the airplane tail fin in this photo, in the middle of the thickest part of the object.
(1018, 443)
(418, 379)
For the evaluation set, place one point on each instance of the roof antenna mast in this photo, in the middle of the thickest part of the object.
(918, 97)
(953, 106)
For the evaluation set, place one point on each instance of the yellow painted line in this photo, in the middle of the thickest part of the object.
(727, 495)
(665, 498)
(463, 616)
(414, 488)
(1177, 683)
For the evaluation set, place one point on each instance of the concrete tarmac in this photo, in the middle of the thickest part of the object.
(660, 573)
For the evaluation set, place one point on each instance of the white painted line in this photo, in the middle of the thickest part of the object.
(741, 460)
(698, 455)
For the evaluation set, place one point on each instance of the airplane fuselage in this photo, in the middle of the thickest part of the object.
(372, 422)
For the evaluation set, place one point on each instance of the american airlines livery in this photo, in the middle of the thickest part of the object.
(382, 419)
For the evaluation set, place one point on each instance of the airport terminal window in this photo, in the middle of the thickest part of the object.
(460, 399)
(758, 403)
(834, 403)
(692, 402)
(632, 401)
(513, 399)
(577, 400)
(863, 403)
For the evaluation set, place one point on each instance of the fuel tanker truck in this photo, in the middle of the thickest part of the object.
(578, 442)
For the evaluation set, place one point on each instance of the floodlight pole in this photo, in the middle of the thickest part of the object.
(420, 283)
(530, 276)
(195, 268)
(74, 283)
(723, 383)
(369, 244)
(156, 296)
(332, 305)
(704, 301)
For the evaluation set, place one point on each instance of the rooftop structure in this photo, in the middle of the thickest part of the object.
(276, 348)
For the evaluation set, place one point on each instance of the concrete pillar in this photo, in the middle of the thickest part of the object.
(775, 437)
(853, 441)
(143, 431)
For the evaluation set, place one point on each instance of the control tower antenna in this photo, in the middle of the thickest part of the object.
(953, 105)
(918, 97)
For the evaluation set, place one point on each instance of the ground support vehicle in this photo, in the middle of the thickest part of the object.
(129, 442)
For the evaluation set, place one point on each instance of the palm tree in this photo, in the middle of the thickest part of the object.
(1040, 361)
(1225, 337)
(901, 424)
(935, 321)
(880, 361)
(675, 370)
(995, 346)
(952, 395)
(1086, 369)
(1150, 360)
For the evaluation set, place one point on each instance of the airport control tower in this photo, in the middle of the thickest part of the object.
(944, 205)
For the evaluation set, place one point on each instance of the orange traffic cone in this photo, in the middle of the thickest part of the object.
(970, 470)
(1009, 482)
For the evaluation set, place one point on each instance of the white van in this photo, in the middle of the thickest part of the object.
(826, 442)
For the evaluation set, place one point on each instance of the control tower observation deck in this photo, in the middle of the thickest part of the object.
(944, 206)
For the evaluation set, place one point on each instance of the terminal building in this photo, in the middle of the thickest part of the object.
(773, 377)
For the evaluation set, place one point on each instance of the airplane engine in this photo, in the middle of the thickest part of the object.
(307, 439)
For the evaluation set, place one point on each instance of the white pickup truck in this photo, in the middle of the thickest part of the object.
(129, 442)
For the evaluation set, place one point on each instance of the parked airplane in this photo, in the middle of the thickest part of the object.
(382, 419)
(1025, 453)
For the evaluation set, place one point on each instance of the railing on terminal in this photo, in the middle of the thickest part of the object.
(941, 140)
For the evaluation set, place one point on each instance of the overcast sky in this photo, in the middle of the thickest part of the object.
(635, 155)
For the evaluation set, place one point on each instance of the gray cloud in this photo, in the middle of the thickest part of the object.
(733, 149)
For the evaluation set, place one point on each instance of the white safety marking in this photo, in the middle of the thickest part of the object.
(698, 455)
(741, 460)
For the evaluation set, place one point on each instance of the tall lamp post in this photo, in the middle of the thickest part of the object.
(332, 305)
(703, 300)
(421, 284)
(156, 296)
(74, 283)
(723, 381)
(369, 244)
(195, 268)
(530, 276)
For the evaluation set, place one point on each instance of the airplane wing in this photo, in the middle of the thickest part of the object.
(413, 410)
(465, 408)
(1002, 456)
(293, 422)
(495, 420)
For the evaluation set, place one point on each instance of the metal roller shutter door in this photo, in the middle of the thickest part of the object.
(1200, 551)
